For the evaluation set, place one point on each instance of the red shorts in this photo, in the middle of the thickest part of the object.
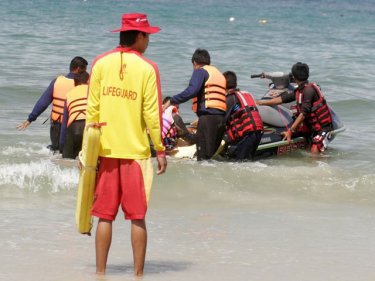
(122, 182)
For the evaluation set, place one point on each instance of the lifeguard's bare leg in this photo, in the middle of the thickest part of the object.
(103, 241)
(139, 244)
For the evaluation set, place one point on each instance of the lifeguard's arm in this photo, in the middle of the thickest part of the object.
(274, 101)
(152, 115)
(41, 105)
(93, 99)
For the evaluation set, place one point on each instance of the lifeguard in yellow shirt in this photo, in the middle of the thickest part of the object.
(125, 93)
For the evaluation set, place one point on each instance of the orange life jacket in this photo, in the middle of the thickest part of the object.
(61, 87)
(214, 90)
(245, 118)
(76, 101)
(320, 115)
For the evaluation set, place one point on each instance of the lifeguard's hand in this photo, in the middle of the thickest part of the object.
(23, 125)
(79, 164)
(94, 124)
(287, 135)
(162, 164)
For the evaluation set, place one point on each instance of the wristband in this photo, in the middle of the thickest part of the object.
(160, 153)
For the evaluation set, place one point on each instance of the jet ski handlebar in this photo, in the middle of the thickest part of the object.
(279, 79)
(261, 75)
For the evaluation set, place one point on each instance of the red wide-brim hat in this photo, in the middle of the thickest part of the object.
(136, 22)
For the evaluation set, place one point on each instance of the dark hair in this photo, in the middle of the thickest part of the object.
(201, 56)
(300, 71)
(78, 62)
(231, 79)
(81, 78)
(128, 38)
(167, 98)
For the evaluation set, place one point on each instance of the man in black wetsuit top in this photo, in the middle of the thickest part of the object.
(313, 117)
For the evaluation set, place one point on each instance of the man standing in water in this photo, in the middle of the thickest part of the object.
(56, 94)
(313, 117)
(243, 123)
(207, 91)
(125, 93)
(74, 119)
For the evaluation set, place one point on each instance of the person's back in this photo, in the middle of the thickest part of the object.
(244, 126)
(74, 117)
(123, 98)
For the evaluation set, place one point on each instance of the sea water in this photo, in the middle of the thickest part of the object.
(294, 217)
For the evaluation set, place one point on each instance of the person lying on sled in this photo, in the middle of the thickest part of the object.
(174, 127)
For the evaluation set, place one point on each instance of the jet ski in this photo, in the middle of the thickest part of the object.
(276, 119)
(280, 117)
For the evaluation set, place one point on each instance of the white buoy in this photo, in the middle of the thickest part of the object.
(231, 19)
(263, 21)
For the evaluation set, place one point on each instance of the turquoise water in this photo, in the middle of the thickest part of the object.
(288, 218)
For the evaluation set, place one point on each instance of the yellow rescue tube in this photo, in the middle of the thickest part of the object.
(86, 186)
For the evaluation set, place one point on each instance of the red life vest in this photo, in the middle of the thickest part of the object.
(214, 90)
(320, 115)
(245, 119)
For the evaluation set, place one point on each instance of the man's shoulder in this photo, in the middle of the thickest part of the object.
(310, 90)
(200, 72)
(147, 63)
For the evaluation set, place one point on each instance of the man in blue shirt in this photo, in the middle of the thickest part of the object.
(55, 94)
(207, 89)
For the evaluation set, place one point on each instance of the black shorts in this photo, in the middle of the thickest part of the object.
(245, 148)
(210, 132)
(73, 139)
(54, 135)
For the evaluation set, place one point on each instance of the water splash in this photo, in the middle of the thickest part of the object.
(38, 176)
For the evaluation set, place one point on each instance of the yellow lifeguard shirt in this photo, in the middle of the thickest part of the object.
(125, 93)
